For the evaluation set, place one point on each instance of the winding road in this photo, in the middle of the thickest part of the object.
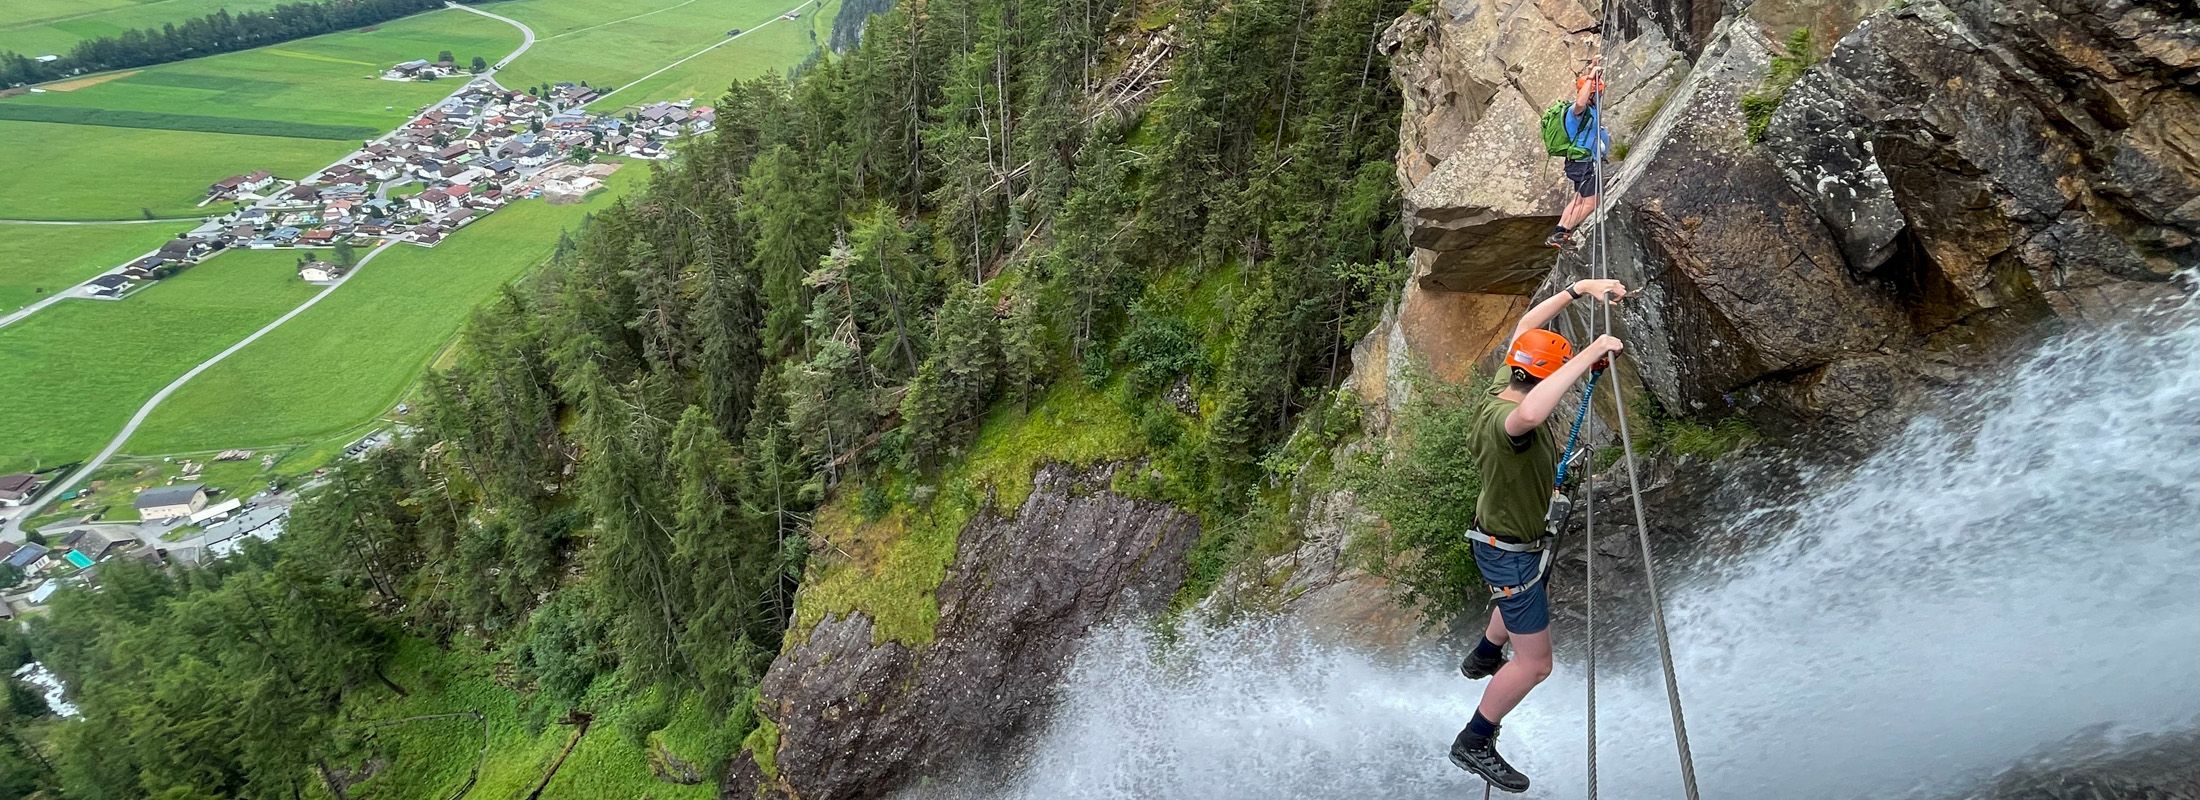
(12, 531)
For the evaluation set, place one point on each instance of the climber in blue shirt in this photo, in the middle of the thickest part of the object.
(1586, 130)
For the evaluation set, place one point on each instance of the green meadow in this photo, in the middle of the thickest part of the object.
(89, 172)
(356, 354)
(328, 81)
(38, 27)
(772, 49)
(38, 260)
(431, 755)
(93, 362)
(609, 43)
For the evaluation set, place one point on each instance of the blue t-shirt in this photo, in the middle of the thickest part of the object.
(1584, 129)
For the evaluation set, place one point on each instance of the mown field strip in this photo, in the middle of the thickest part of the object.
(163, 121)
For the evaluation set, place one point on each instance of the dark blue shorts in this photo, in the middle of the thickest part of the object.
(1583, 175)
(1524, 612)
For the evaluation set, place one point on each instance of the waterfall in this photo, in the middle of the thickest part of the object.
(2015, 574)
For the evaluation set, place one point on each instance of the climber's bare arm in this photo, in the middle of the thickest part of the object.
(1588, 88)
(1547, 310)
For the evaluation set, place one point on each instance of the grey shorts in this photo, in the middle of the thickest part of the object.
(1524, 612)
(1583, 174)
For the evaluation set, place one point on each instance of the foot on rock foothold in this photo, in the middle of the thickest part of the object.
(1479, 756)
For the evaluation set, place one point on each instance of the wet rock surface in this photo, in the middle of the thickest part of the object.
(859, 718)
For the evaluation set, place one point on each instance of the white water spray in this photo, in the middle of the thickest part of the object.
(2016, 574)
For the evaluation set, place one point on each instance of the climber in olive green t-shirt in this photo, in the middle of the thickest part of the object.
(1518, 460)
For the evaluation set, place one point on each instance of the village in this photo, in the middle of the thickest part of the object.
(460, 160)
(454, 164)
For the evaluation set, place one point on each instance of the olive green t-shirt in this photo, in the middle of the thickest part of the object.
(1516, 473)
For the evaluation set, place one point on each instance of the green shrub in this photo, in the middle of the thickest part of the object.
(1157, 349)
(1424, 487)
(1787, 68)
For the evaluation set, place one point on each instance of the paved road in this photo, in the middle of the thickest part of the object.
(527, 41)
(12, 530)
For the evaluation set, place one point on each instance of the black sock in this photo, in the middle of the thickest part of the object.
(1488, 649)
(1562, 230)
(1480, 727)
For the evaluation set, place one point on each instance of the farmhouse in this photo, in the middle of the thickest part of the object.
(108, 285)
(17, 489)
(189, 247)
(431, 201)
(664, 113)
(320, 271)
(235, 184)
(166, 502)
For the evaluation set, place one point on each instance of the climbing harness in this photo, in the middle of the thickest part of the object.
(1554, 518)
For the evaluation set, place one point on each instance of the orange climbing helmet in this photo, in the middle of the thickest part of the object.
(1539, 353)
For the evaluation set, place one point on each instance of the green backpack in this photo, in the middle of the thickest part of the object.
(1555, 140)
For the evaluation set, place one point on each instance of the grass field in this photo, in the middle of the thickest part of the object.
(770, 50)
(353, 356)
(38, 27)
(80, 368)
(609, 43)
(323, 81)
(86, 172)
(38, 260)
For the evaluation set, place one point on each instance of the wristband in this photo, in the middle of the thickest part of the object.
(1571, 293)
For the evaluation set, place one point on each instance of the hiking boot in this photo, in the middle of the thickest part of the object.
(1477, 667)
(1479, 755)
(1557, 240)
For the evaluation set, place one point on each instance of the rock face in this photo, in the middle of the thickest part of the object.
(1951, 172)
(860, 719)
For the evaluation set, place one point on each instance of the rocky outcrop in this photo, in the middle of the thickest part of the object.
(1952, 172)
(2006, 154)
(859, 718)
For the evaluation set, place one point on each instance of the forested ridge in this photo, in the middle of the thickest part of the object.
(219, 32)
(986, 207)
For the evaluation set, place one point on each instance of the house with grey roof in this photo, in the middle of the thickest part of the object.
(165, 502)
